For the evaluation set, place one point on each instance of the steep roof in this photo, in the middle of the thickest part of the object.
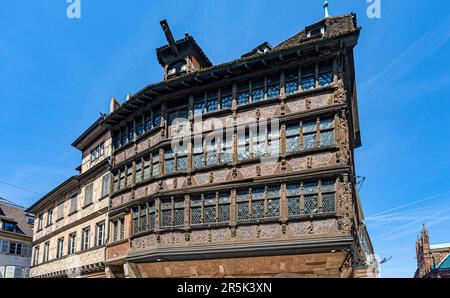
(17, 214)
(444, 264)
(335, 27)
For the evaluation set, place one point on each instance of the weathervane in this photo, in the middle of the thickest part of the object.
(325, 6)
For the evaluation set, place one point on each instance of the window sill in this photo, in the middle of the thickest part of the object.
(87, 205)
(59, 219)
(72, 213)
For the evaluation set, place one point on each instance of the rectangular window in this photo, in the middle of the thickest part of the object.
(182, 160)
(106, 185)
(226, 101)
(60, 214)
(226, 149)
(60, 248)
(178, 212)
(293, 138)
(310, 198)
(242, 201)
(138, 171)
(100, 234)
(166, 213)
(224, 207)
(88, 194)
(243, 143)
(155, 165)
(273, 202)
(122, 182)
(97, 152)
(243, 95)
(139, 127)
(209, 208)
(116, 181)
(326, 132)
(328, 191)
(211, 153)
(308, 78)
(169, 161)
(291, 82)
(293, 199)
(199, 107)
(40, 222)
(49, 216)
(85, 237)
(129, 177)
(212, 102)
(46, 251)
(131, 132)
(309, 134)
(136, 215)
(72, 243)
(36, 256)
(258, 203)
(258, 91)
(273, 87)
(122, 229)
(157, 119)
(115, 232)
(325, 74)
(198, 156)
(196, 210)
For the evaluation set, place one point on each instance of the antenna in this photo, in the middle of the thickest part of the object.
(325, 7)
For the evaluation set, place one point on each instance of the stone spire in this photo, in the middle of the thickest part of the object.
(325, 7)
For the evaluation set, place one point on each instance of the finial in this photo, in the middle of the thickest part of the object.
(325, 6)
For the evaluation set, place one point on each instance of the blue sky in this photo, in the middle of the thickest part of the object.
(58, 74)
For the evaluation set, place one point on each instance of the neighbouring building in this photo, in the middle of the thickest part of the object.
(433, 260)
(272, 193)
(242, 169)
(16, 232)
(70, 233)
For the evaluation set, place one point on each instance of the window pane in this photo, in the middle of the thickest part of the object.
(242, 98)
(326, 138)
(326, 78)
(258, 94)
(226, 102)
(310, 204)
(328, 202)
(212, 105)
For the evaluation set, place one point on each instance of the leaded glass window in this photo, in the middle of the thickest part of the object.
(212, 104)
(210, 208)
(139, 127)
(291, 85)
(211, 154)
(138, 171)
(243, 143)
(226, 150)
(155, 165)
(273, 201)
(242, 202)
(148, 123)
(136, 220)
(308, 78)
(116, 182)
(293, 199)
(325, 74)
(129, 175)
(258, 92)
(259, 144)
(226, 102)
(311, 204)
(309, 135)
(151, 215)
(196, 210)
(199, 107)
(224, 207)
(157, 120)
(273, 87)
(328, 189)
(124, 136)
(178, 212)
(182, 160)
(147, 168)
(169, 161)
(293, 138)
(243, 98)
(143, 216)
(326, 132)
(198, 156)
(122, 179)
(166, 212)
(131, 132)
(258, 203)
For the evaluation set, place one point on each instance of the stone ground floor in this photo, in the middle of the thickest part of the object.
(314, 265)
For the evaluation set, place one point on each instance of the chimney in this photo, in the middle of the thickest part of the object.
(113, 105)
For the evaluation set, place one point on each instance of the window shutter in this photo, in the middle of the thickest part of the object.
(88, 194)
(106, 185)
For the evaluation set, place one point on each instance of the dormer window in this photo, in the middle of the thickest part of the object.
(177, 68)
(316, 31)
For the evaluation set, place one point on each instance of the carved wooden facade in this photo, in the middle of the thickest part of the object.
(226, 205)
